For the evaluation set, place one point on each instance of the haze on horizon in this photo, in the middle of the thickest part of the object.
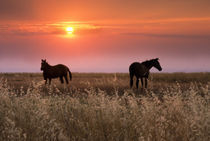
(105, 35)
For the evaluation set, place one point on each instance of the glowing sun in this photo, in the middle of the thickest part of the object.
(69, 30)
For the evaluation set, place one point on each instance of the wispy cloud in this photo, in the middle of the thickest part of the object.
(192, 36)
(47, 28)
(165, 28)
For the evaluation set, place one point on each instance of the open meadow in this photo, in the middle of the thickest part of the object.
(102, 107)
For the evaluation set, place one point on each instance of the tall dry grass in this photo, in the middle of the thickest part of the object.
(87, 110)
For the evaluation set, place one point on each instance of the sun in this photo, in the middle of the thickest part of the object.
(69, 30)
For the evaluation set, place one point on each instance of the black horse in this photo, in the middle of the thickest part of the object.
(141, 70)
(59, 70)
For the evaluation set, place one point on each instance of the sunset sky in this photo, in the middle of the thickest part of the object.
(104, 35)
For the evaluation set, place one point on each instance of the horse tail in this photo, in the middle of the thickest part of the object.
(70, 75)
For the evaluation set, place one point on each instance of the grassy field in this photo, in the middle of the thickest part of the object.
(99, 106)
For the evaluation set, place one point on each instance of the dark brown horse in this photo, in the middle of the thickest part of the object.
(141, 70)
(59, 70)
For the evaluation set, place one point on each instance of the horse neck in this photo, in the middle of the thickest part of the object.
(148, 64)
(47, 67)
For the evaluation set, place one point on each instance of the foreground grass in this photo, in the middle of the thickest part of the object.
(174, 112)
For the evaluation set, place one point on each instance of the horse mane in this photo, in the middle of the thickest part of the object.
(148, 62)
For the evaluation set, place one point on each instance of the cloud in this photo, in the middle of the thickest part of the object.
(194, 28)
(47, 29)
(191, 36)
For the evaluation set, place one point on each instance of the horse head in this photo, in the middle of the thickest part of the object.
(156, 64)
(44, 64)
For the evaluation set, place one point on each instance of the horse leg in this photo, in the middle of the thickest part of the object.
(131, 80)
(137, 82)
(49, 81)
(142, 82)
(45, 81)
(61, 78)
(66, 79)
(145, 82)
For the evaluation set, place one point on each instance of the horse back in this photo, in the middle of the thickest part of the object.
(138, 69)
(57, 71)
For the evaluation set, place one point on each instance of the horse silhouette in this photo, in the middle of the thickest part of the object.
(56, 71)
(141, 70)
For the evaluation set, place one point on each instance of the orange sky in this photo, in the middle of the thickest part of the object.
(108, 34)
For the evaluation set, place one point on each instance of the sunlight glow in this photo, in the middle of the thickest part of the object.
(70, 30)
(75, 29)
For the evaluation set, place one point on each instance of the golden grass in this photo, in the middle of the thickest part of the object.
(103, 107)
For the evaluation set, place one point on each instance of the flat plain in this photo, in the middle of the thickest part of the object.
(101, 106)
